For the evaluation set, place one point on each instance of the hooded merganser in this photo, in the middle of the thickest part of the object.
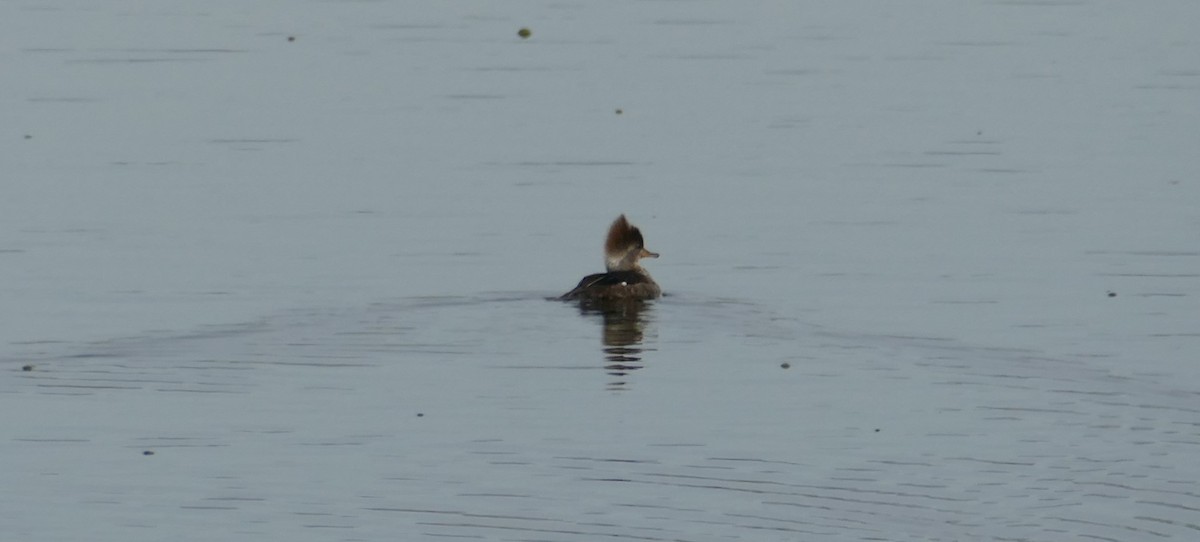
(625, 279)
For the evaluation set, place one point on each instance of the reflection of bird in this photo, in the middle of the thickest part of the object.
(623, 324)
(625, 279)
(624, 321)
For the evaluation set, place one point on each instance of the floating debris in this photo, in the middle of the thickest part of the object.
(524, 33)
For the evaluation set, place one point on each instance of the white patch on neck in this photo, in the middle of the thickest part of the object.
(620, 262)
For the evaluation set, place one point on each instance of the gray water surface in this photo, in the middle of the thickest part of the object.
(279, 270)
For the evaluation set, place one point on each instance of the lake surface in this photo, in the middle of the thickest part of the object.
(279, 270)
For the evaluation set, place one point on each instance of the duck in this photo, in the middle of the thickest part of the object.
(624, 279)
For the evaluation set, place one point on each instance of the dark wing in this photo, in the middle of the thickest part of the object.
(601, 280)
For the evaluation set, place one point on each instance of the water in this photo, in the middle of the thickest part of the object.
(931, 271)
(503, 416)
